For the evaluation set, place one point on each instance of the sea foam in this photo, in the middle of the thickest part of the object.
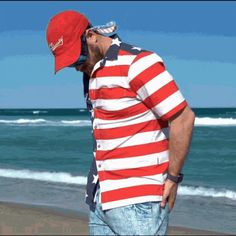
(206, 192)
(60, 177)
(39, 112)
(43, 122)
(23, 121)
(208, 121)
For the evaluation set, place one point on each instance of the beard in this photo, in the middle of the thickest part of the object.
(93, 58)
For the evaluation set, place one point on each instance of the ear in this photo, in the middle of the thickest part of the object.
(91, 36)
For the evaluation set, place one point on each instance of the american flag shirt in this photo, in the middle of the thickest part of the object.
(131, 97)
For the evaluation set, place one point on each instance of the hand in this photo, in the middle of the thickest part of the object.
(169, 194)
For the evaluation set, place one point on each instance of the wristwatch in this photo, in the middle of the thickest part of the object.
(176, 179)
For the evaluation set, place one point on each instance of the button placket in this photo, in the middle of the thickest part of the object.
(95, 126)
(99, 164)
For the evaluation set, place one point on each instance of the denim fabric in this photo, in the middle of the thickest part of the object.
(137, 219)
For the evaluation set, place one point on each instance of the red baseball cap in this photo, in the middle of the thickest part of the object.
(63, 35)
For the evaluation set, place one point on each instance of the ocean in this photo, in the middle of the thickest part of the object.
(45, 155)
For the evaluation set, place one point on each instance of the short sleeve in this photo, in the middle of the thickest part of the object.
(155, 86)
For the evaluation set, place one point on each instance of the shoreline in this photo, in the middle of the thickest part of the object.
(18, 219)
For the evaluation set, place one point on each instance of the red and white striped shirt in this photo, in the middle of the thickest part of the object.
(133, 97)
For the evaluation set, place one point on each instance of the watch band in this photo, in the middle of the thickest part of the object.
(176, 179)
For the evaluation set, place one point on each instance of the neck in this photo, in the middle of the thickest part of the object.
(105, 43)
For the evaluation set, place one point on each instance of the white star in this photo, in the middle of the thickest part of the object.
(95, 179)
(116, 41)
(136, 48)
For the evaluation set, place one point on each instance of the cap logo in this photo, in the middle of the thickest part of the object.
(53, 47)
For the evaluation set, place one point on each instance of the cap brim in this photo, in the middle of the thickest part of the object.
(68, 57)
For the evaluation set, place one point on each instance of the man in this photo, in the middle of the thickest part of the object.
(142, 126)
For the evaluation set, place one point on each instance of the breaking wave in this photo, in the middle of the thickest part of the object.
(43, 122)
(208, 121)
(206, 192)
(59, 177)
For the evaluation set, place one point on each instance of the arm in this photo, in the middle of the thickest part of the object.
(181, 128)
(157, 89)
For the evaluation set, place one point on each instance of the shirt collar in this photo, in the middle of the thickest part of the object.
(112, 52)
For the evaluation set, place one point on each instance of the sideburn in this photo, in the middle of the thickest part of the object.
(93, 57)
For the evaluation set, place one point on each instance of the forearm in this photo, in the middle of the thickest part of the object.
(180, 137)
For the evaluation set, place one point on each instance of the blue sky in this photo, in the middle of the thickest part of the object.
(197, 41)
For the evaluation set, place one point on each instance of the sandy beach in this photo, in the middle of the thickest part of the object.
(19, 219)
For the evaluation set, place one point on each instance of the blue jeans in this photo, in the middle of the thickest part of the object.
(137, 219)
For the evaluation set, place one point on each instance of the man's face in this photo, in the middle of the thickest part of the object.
(94, 55)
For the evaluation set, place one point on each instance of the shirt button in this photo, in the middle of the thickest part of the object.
(99, 145)
(99, 165)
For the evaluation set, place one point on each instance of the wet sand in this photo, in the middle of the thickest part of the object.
(19, 219)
